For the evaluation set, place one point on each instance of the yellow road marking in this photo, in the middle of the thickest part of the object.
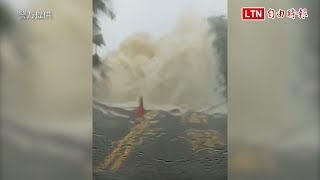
(116, 166)
(132, 134)
(196, 119)
(204, 140)
(128, 149)
(126, 143)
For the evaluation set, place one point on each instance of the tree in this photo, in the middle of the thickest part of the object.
(219, 26)
(99, 6)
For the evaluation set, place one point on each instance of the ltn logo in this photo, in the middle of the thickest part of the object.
(253, 13)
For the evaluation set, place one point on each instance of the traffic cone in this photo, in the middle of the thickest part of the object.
(140, 110)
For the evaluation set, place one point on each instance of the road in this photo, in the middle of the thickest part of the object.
(162, 146)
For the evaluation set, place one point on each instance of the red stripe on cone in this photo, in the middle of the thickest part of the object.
(140, 110)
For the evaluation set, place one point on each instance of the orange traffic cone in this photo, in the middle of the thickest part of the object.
(140, 110)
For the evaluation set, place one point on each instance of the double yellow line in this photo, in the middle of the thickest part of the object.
(125, 146)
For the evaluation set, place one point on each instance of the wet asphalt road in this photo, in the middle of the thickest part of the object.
(162, 146)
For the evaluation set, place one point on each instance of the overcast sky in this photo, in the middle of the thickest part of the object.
(153, 16)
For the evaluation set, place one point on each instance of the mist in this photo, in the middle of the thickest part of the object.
(179, 68)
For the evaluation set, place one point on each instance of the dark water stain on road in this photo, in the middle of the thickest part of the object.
(162, 146)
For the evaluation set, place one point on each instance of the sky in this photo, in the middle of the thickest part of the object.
(156, 17)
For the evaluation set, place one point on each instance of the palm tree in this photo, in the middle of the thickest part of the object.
(99, 6)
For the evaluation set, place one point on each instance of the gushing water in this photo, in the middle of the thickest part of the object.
(177, 69)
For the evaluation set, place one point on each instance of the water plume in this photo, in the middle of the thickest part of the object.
(177, 69)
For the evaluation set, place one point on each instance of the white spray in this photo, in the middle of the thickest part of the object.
(177, 69)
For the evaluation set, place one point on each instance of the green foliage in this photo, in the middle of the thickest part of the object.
(98, 40)
(96, 60)
(95, 24)
(99, 6)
